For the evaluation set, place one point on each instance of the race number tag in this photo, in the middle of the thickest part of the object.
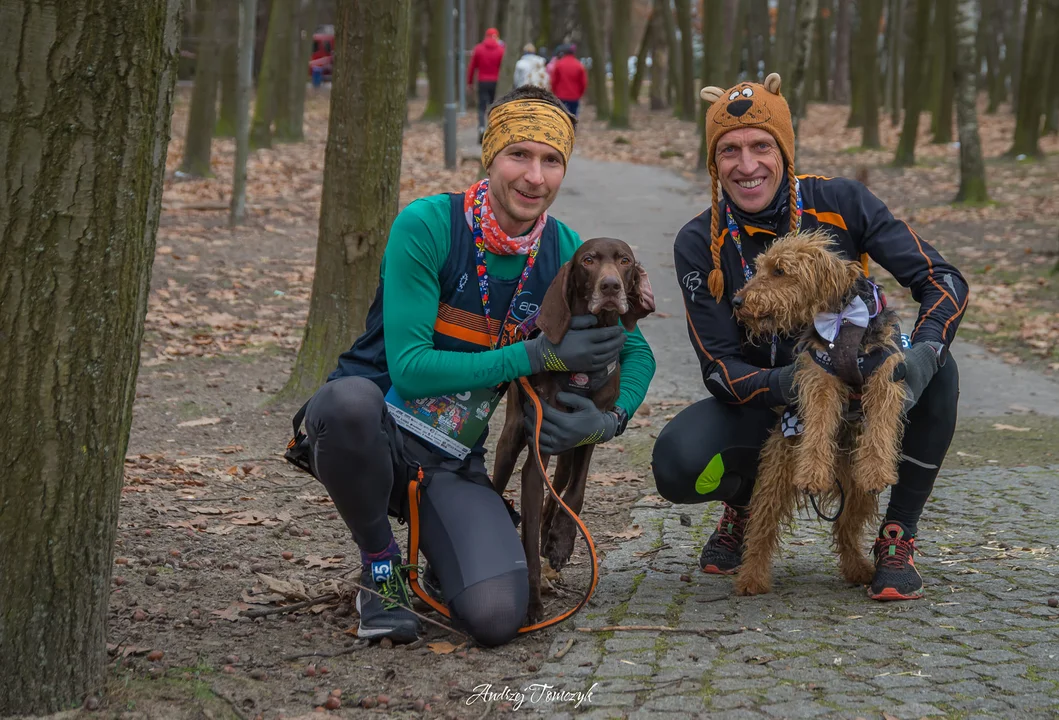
(452, 423)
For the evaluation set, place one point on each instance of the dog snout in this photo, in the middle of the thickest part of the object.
(610, 285)
(737, 302)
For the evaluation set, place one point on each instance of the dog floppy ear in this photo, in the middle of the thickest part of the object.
(554, 317)
(641, 299)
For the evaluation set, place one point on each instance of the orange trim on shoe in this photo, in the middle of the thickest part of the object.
(893, 594)
(714, 570)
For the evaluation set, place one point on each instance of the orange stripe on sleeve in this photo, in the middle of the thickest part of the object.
(461, 333)
(831, 218)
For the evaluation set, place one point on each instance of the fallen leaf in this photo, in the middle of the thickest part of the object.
(232, 611)
(441, 648)
(314, 561)
(229, 449)
(199, 422)
(1002, 426)
(292, 590)
(207, 510)
(249, 517)
(633, 532)
(112, 648)
(219, 529)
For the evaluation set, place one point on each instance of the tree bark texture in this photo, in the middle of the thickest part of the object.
(641, 59)
(515, 34)
(362, 173)
(893, 73)
(436, 61)
(293, 129)
(843, 34)
(758, 37)
(1014, 41)
(203, 111)
(867, 60)
(856, 72)
(659, 62)
(736, 44)
(1051, 101)
(805, 19)
(284, 75)
(781, 51)
(597, 80)
(415, 46)
(620, 38)
(272, 65)
(84, 127)
(228, 22)
(945, 57)
(992, 26)
(821, 57)
(673, 53)
(687, 61)
(972, 169)
(914, 83)
(1039, 39)
(245, 56)
(544, 37)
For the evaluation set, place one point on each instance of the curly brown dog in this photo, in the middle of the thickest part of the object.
(801, 286)
(602, 279)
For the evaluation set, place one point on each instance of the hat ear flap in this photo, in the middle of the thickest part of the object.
(711, 94)
(773, 82)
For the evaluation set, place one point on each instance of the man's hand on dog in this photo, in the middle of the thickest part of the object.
(562, 431)
(584, 348)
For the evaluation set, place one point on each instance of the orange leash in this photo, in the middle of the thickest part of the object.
(415, 487)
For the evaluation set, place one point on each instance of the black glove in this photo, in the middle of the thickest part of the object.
(921, 363)
(562, 431)
(785, 377)
(584, 348)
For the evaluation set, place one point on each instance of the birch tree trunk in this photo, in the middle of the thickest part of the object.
(84, 127)
(245, 88)
(362, 173)
(914, 83)
(972, 169)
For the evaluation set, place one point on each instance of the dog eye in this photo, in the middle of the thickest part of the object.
(587, 260)
(777, 271)
(625, 261)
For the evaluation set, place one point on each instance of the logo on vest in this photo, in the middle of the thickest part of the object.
(483, 410)
(463, 283)
(579, 380)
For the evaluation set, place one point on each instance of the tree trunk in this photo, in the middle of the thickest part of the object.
(1016, 43)
(781, 52)
(805, 19)
(868, 43)
(686, 88)
(273, 64)
(597, 81)
(712, 66)
(229, 71)
(544, 37)
(858, 74)
(757, 30)
(515, 34)
(620, 38)
(821, 57)
(203, 111)
(86, 120)
(641, 59)
(292, 127)
(284, 130)
(893, 76)
(673, 54)
(945, 57)
(415, 46)
(659, 69)
(1039, 39)
(245, 87)
(436, 61)
(843, 34)
(1051, 101)
(735, 49)
(972, 169)
(992, 27)
(918, 32)
(362, 179)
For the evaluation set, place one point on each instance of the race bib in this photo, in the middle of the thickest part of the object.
(452, 423)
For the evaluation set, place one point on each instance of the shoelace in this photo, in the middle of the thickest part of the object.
(903, 550)
(394, 590)
(731, 538)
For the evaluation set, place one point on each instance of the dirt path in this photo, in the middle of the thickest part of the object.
(210, 508)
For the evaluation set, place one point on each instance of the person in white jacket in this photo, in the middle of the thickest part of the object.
(530, 69)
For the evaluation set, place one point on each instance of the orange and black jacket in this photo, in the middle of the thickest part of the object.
(739, 372)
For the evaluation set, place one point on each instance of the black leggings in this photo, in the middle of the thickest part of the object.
(486, 96)
(365, 461)
(686, 463)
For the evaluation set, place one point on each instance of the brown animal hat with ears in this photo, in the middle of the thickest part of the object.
(746, 105)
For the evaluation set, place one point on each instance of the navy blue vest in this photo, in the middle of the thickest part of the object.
(460, 325)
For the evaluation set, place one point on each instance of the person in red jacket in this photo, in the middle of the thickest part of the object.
(569, 79)
(486, 59)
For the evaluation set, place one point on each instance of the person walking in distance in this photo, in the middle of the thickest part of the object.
(569, 79)
(485, 60)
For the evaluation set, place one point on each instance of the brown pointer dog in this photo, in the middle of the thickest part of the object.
(602, 279)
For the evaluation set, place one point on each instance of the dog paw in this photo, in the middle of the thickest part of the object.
(559, 545)
(874, 483)
(535, 612)
(745, 585)
(813, 483)
(859, 572)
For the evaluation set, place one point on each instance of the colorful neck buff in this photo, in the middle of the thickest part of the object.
(476, 207)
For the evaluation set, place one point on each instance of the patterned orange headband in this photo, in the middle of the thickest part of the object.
(521, 120)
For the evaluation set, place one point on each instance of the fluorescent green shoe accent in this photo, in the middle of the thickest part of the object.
(710, 478)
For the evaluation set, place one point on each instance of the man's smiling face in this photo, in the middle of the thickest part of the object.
(750, 167)
(524, 179)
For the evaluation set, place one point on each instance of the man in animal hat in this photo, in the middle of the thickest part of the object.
(710, 450)
(462, 275)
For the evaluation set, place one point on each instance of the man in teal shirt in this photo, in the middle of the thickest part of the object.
(461, 275)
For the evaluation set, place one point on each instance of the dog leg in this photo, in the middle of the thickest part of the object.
(560, 529)
(879, 445)
(564, 465)
(848, 530)
(820, 400)
(532, 500)
(771, 509)
(512, 441)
